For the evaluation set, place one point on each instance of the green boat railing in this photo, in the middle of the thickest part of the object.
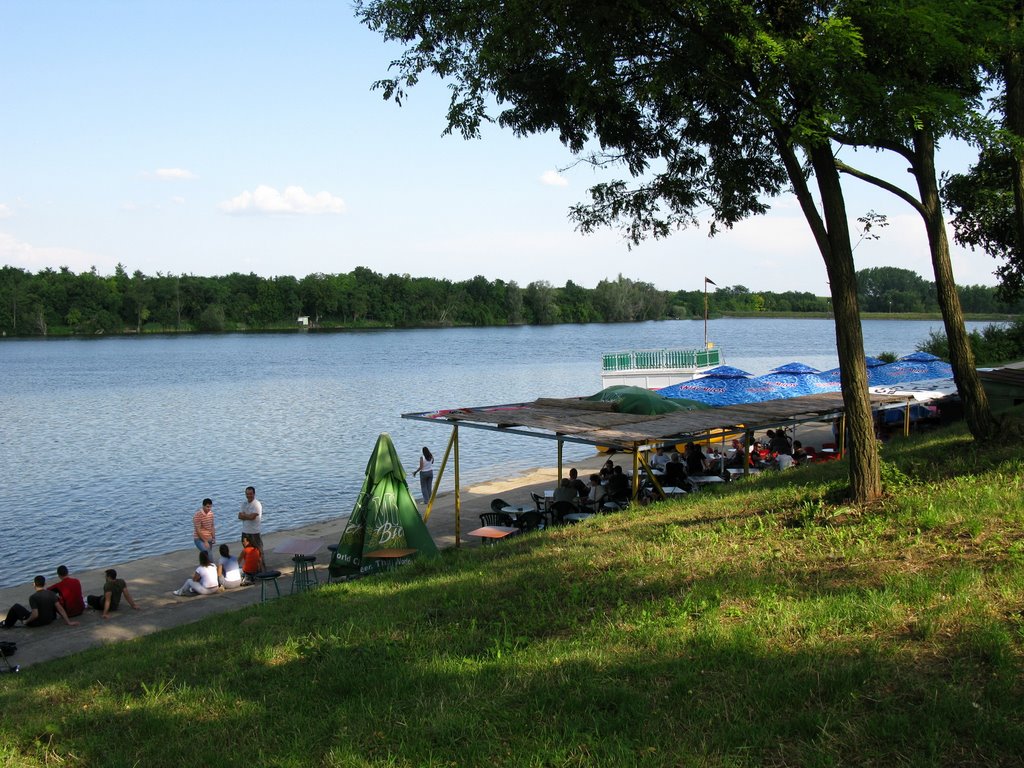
(656, 359)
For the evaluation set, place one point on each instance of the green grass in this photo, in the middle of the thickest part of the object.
(764, 623)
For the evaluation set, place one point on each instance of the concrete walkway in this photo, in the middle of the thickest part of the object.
(151, 580)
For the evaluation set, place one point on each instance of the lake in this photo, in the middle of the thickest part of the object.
(109, 445)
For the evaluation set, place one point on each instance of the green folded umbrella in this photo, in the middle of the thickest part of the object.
(385, 519)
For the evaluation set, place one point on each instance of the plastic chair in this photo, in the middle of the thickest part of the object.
(497, 505)
(497, 518)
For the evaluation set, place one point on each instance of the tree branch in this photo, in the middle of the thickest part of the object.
(882, 183)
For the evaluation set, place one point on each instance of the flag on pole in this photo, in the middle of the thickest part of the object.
(709, 280)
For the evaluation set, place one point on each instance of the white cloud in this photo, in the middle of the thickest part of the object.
(294, 200)
(553, 179)
(178, 200)
(34, 258)
(5, 212)
(174, 174)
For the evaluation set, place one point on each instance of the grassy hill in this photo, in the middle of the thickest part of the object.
(762, 623)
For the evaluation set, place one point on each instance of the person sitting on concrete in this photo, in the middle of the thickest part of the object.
(203, 581)
(229, 572)
(69, 589)
(44, 607)
(251, 560)
(113, 590)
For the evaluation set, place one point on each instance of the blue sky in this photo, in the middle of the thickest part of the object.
(214, 137)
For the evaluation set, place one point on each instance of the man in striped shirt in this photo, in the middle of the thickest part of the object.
(203, 533)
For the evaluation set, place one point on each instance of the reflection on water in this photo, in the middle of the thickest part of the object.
(109, 445)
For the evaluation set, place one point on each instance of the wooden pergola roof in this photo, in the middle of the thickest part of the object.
(598, 423)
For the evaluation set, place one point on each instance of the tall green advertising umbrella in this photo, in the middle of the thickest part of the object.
(385, 526)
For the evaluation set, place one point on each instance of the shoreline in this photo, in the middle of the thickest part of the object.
(152, 579)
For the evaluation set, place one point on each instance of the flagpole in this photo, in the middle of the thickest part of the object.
(706, 281)
(705, 313)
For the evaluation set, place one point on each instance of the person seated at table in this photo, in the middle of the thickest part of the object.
(779, 443)
(784, 461)
(736, 454)
(675, 473)
(607, 469)
(658, 459)
(251, 561)
(695, 460)
(619, 488)
(799, 454)
(229, 572)
(582, 489)
(596, 494)
(203, 581)
(565, 492)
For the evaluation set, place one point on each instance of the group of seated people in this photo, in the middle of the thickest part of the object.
(776, 451)
(227, 573)
(64, 599)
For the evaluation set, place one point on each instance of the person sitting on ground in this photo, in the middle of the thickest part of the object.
(113, 589)
(565, 492)
(251, 560)
(696, 461)
(582, 489)
(203, 581)
(69, 589)
(229, 572)
(45, 607)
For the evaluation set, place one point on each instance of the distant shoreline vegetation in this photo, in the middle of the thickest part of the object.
(60, 303)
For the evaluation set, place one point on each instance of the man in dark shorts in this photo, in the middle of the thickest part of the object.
(113, 589)
(45, 607)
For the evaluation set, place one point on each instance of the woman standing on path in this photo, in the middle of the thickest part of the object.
(426, 473)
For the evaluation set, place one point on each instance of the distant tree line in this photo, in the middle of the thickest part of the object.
(60, 302)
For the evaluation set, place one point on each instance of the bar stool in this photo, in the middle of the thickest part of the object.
(330, 577)
(265, 577)
(304, 576)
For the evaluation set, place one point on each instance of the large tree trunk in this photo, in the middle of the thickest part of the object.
(833, 239)
(865, 471)
(961, 357)
(1013, 77)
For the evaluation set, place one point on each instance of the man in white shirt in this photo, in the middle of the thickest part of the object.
(658, 459)
(251, 516)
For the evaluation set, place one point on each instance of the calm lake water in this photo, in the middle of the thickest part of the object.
(109, 445)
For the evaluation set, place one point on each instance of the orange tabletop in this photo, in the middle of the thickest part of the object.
(493, 531)
(391, 553)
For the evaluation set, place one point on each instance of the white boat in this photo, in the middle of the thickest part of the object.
(656, 368)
